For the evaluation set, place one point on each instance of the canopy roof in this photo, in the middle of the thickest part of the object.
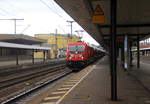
(22, 46)
(133, 17)
(20, 39)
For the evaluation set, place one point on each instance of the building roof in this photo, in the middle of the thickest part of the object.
(22, 46)
(20, 39)
(65, 35)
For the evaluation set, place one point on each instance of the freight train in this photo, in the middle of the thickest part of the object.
(80, 54)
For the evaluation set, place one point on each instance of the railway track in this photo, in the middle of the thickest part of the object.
(18, 98)
(56, 73)
(24, 68)
(23, 97)
(20, 78)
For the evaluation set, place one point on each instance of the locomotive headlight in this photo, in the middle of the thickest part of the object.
(70, 56)
(81, 56)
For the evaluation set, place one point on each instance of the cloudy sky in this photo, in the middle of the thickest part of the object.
(40, 16)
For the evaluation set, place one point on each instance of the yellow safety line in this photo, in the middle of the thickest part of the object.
(71, 82)
(49, 103)
(51, 98)
(74, 86)
(74, 80)
(68, 85)
(67, 88)
(58, 92)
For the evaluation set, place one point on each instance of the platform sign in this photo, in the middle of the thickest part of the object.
(98, 15)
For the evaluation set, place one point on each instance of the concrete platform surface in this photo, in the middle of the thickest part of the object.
(96, 88)
(12, 63)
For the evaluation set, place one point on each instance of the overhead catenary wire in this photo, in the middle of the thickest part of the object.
(57, 8)
(4, 11)
(54, 5)
(55, 12)
(13, 7)
(9, 9)
(1, 14)
(25, 29)
(13, 19)
(61, 28)
(51, 9)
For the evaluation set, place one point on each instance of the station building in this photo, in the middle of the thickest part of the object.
(9, 53)
(57, 43)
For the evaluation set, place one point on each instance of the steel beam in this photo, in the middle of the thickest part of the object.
(126, 25)
(1, 51)
(89, 6)
(44, 56)
(122, 55)
(138, 52)
(17, 58)
(131, 56)
(113, 29)
(141, 34)
(32, 56)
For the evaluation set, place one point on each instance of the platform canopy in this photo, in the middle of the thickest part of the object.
(133, 17)
(21, 39)
(22, 46)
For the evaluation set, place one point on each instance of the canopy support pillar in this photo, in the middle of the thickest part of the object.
(113, 10)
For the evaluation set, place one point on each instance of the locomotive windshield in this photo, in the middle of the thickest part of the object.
(76, 48)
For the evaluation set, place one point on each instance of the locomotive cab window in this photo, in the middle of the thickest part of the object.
(76, 48)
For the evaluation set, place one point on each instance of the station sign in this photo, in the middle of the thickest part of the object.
(98, 15)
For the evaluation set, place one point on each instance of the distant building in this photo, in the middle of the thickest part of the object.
(57, 43)
(10, 54)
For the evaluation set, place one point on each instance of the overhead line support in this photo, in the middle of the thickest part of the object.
(71, 26)
(13, 19)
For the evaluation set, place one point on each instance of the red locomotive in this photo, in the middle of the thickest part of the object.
(80, 54)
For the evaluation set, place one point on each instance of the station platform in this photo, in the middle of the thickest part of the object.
(26, 62)
(96, 87)
(13, 62)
